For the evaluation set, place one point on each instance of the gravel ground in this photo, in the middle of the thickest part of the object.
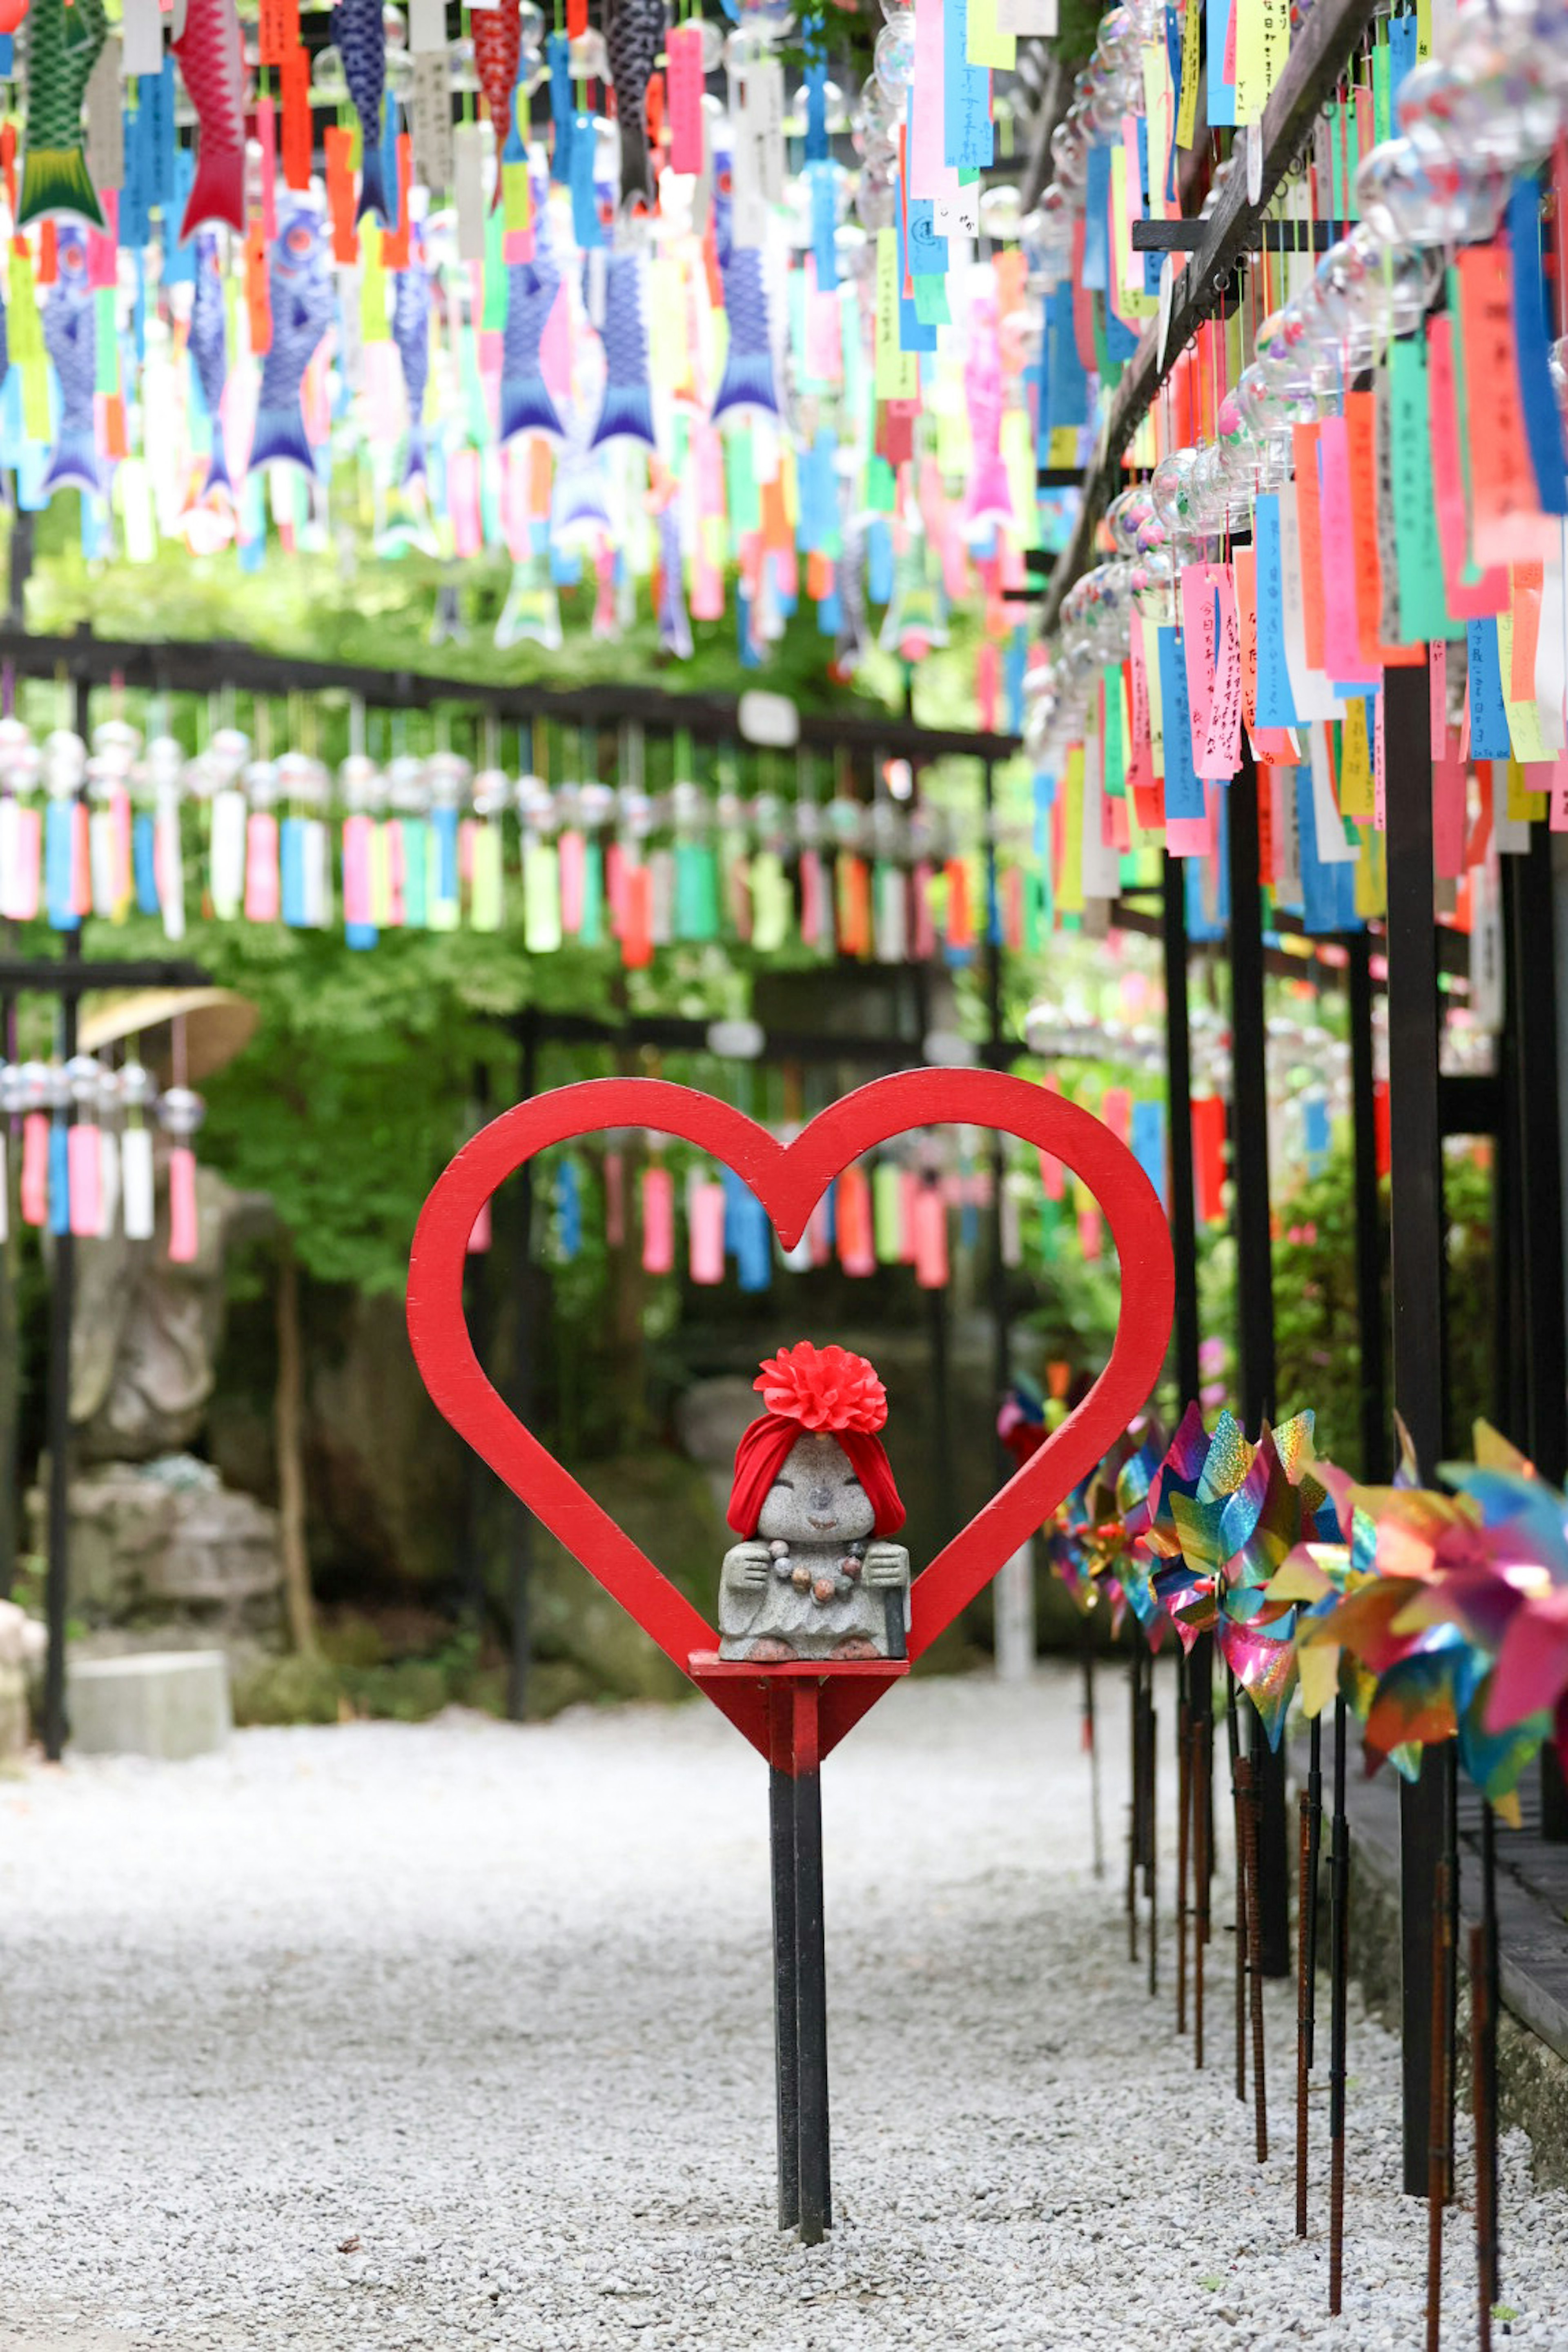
(422, 2037)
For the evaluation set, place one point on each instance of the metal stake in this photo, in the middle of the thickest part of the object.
(1339, 1986)
(1314, 1860)
(1134, 1820)
(1183, 1839)
(1092, 1743)
(1151, 1815)
(1304, 2041)
(1485, 2009)
(1437, 2104)
(1232, 1733)
(1250, 1809)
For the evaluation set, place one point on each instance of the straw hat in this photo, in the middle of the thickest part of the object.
(218, 1025)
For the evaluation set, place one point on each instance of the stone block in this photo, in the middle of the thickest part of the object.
(153, 1540)
(165, 1703)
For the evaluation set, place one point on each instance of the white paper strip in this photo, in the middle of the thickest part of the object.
(108, 1183)
(1333, 849)
(430, 120)
(1486, 947)
(106, 119)
(226, 856)
(142, 33)
(469, 186)
(136, 1183)
(1032, 18)
(170, 867)
(10, 852)
(427, 27)
(1102, 861)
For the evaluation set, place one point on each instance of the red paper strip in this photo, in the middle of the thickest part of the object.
(1208, 1157)
(277, 32)
(337, 146)
(294, 83)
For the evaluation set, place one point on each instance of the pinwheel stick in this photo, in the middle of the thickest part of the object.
(1484, 2033)
(1151, 1811)
(1183, 1838)
(1303, 2032)
(1239, 1810)
(1135, 1810)
(1314, 1860)
(1202, 1839)
(1439, 2111)
(1486, 2249)
(1251, 1807)
(1092, 1743)
(1338, 1988)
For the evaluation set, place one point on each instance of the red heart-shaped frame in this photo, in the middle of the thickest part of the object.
(789, 1181)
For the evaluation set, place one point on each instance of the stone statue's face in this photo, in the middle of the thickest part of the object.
(816, 1498)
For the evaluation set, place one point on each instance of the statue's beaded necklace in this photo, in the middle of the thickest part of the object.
(822, 1589)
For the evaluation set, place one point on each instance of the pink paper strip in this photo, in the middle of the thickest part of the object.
(261, 887)
(34, 1184)
(357, 900)
(705, 1217)
(658, 1221)
(183, 1236)
(85, 1179)
(1341, 645)
(928, 1222)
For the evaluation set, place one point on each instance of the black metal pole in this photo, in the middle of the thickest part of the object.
(10, 1345)
(1415, 1256)
(811, 2008)
(1374, 1396)
(781, 1825)
(997, 1055)
(1255, 1298)
(523, 1383)
(1179, 1131)
(1339, 1990)
(1484, 1996)
(58, 1407)
(1534, 1240)
(1197, 1764)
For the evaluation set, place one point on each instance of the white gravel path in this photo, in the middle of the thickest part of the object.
(490, 2008)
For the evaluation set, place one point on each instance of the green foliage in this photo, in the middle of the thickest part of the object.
(379, 614)
(1315, 1328)
(353, 1676)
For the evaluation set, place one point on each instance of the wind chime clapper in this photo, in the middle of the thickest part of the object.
(86, 1164)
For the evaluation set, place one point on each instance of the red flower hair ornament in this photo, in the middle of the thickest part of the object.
(810, 1391)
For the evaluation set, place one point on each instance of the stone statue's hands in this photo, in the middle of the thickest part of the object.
(748, 1563)
(885, 1564)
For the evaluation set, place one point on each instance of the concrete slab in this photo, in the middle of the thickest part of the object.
(167, 1703)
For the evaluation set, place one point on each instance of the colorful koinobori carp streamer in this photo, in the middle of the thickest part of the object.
(1435, 1615)
(658, 348)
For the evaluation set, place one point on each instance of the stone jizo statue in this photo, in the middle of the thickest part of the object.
(814, 1501)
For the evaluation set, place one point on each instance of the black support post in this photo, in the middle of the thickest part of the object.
(1535, 1240)
(810, 1998)
(1179, 1131)
(1373, 1419)
(781, 1822)
(527, 1302)
(1254, 1293)
(58, 1406)
(1415, 1249)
